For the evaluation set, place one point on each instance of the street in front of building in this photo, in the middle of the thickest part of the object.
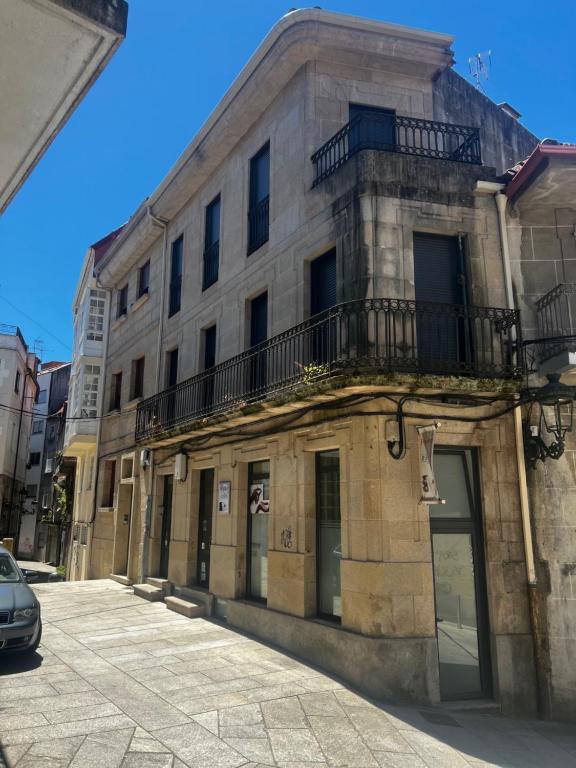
(120, 682)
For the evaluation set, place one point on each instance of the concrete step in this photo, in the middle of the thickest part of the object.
(149, 592)
(185, 607)
(200, 596)
(162, 584)
(121, 579)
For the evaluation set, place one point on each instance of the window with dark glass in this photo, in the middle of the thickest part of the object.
(116, 392)
(211, 244)
(17, 382)
(328, 534)
(176, 264)
(41, 395)
(108, 482)
(34, 459)
(143, 279)
(209, 362)
(258, 334)
(122, 305)
(172, 367)
(258, 213)
(138, 378)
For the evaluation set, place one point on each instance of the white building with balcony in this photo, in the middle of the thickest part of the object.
(91, 310)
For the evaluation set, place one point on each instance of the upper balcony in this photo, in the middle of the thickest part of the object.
(389, 132)
(556, 315)
(371, 337)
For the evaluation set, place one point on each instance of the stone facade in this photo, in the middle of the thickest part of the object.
(295, 93)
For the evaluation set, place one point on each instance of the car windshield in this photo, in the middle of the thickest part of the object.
(8, 571)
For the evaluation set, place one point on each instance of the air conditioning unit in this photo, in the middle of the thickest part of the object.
(145, 457)
(180, 467)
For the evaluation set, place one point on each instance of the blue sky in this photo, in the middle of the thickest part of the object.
(178, 59)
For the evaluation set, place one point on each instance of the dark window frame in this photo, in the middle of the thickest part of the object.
(116, 391)
(258, 204)
(211, 256)
(122, 302)
(32, 460)
(17, 382)
(137, 377)
(175, 288)
(143, 279)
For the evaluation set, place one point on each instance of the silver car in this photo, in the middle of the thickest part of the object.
(20, 622)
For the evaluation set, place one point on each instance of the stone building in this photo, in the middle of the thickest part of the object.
(317, 287)
(90, 310)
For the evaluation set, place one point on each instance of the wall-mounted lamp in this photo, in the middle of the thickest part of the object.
(554, 405)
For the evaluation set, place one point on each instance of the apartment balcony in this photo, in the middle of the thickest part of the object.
(396, 133)
(371, 337)
(556, 316)
(79, 433)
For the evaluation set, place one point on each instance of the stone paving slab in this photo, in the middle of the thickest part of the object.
(121, 683)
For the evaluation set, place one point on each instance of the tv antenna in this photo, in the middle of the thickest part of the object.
(39, 347)
(480, 65)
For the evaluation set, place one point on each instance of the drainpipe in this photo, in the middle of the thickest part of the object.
(501, 201)
(163, 223)
(533, 595)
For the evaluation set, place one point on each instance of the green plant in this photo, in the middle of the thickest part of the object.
(61, 570)
(313, 371)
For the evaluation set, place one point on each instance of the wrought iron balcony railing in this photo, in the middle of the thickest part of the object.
(395, 133)
(372, 337)
(556, 315)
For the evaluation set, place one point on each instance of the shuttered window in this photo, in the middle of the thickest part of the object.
(323, 283)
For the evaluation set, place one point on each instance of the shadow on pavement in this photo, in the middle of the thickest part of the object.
(13, 663)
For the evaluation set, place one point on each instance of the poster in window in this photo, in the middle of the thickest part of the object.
(224, 497)
(258, 504)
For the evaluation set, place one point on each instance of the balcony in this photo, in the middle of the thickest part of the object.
(12, 330)
(370, 337)
(556, 316)
(395, 133)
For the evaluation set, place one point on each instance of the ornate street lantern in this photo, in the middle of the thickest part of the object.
(555, 403)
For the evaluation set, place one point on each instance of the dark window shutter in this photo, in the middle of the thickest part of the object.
(323, 283)
(259, 319)
(437, 269)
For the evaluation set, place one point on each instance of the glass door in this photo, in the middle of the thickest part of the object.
(258, 514)
(205, 526)
(328, 534)
(459, 582)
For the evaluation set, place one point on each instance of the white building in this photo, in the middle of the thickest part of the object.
(85, 400)
(17, 393)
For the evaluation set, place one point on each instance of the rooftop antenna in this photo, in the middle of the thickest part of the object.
(480, 65)
(39, 348)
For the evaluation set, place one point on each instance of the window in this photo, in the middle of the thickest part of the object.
(97, 305)
(34, 459)
(37, 427)
(122, 306)
(49, 466)
(41, 396)
(211, 244)
(172, 367)
(258, 214)
(90, 386)
(137, 378)
(116, 392)
(108, 483)
(143, 279)
(31, 492)
(17, 382)
(176, 276)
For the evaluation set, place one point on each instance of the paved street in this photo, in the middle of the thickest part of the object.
(119, 682)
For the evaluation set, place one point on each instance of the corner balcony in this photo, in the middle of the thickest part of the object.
(370, 337)
(396, 133)
(556, 316)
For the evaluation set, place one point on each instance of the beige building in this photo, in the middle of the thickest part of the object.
(18, 367)
(321, 276)
(85, 402)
